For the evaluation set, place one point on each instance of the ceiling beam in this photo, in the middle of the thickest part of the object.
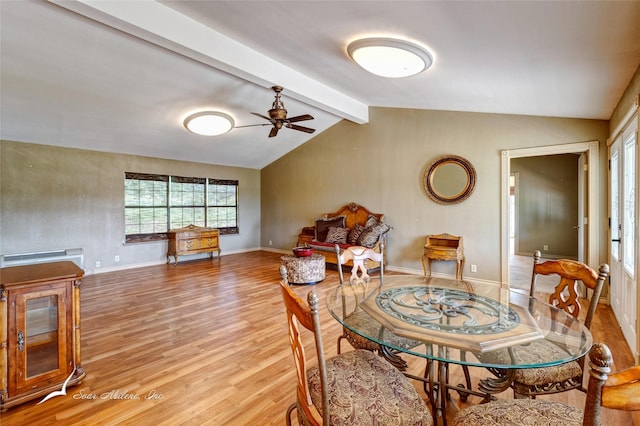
(163, 26)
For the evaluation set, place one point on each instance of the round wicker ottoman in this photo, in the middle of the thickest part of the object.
(304, 270)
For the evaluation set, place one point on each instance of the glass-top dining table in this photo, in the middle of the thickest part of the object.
(458, 322)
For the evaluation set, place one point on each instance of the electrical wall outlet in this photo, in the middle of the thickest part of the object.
(270, 242)
(545, 247)
(97, 263)
(474, 268)
(117, 259)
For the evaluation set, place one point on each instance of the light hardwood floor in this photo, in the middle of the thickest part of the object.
(205, 343)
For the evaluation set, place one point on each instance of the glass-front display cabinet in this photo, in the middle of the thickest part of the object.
(40, 312)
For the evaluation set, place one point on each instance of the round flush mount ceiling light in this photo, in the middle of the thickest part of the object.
(389, 57)
(209, 123)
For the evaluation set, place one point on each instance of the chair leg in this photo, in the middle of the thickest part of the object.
(339, 340)
(289, 411)
(518, 394)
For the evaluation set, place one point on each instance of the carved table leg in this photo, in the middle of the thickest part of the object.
(393, 358)
(504, 379)
(499, 384)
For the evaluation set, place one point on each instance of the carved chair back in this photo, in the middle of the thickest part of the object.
(565, 295)
(359, 279)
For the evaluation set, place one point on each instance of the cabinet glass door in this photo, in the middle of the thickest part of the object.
(41, 335)
(41, 340)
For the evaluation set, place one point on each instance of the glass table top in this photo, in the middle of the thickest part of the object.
(460, 322)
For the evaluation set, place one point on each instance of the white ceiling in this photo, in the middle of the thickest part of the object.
(121, 76)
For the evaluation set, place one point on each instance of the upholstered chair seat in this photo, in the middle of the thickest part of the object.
(364, 389)
(362, 321)
(532, 354)
(521, 412)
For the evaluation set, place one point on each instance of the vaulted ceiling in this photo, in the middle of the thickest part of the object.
(121, 76)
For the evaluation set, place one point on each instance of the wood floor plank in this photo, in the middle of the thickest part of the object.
(209, 341)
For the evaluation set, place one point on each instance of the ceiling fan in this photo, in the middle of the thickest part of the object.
(278, 117)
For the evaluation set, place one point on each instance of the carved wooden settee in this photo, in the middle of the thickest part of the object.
(352, 224)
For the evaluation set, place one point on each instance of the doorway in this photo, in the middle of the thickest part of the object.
(545, 211)
(589, 152)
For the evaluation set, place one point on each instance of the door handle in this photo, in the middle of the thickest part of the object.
(617, 240)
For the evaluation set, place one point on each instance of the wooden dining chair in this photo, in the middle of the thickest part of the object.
(354, 388)
(359, 286)
(541, 381)
(620, 391)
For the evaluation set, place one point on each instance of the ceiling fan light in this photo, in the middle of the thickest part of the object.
(209, 123)
(389, 57)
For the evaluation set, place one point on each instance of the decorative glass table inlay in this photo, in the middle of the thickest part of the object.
(448, 310)
(456, 314)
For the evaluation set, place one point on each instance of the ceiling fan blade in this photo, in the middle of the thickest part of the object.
(262, 116)
(300, 118)
(252, 125)
(301, 128)
(273, 132)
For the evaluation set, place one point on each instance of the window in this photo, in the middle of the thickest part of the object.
(145, 205)
(629, 203)
(187, 202)
(156, 203)
(222, 204)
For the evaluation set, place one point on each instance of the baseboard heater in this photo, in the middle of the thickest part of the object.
(75, 255)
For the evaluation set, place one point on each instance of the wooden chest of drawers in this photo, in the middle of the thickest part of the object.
(443, 247)
(192, 240)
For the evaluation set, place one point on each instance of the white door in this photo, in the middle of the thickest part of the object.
(622, 256)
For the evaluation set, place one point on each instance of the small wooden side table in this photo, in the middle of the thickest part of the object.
(304, 270)
(443, 247)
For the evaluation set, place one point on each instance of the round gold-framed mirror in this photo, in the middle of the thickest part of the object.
(450, 179)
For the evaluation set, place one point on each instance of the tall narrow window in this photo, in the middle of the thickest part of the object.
(187, 201)
(145, 205)
(222, 205)
(629, 200)
(615, 205)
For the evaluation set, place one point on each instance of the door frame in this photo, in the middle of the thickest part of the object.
(618, 132)
(592, 239)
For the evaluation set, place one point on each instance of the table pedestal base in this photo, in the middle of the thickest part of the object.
(436, 383)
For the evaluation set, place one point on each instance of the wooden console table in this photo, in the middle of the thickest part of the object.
(192, 240)
(40, 330)
(443, 247)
